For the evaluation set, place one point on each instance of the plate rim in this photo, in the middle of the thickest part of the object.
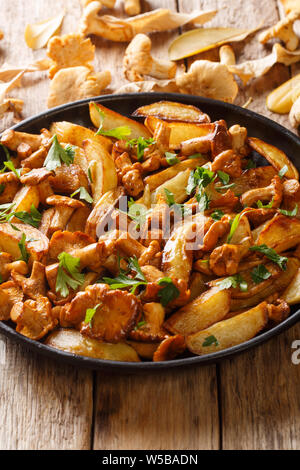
(147, 366)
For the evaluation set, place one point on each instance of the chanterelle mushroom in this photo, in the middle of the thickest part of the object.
(283, 30)
(273, 192)
(209, 79)
(132, 7)
(138, 61)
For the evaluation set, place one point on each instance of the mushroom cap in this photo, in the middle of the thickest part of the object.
(209, 79)
(295, 114)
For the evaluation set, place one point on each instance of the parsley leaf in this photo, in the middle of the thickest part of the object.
(33, 218)
(89, 314)
(203, 201)
(250, 164)
(233, 281)
(122, 281)
(83, 194)
(140, 324)
(201, 177)
(141, 143)
(260, 273)
(68, 274)
(291, 213)
(224, 177)
(169, 291)
(22, 245)
(234, 226)
(119, 133)
(195, 156)
(171, 158)
(209, 341)
(181, 208)
(283, 171)
(272, 255)
(58, 155)
(137, 213)
(260, 205)
(217, 214)
(12, 168)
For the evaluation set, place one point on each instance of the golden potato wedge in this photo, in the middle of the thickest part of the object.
(180, 131)
(177, 260)
(113, 119)
(197, 285)
(10, 293)
(102, 169)
(37, 243)
(177, 186)
(75, 343)
(172, 111)
(278, 284)
(231, 332)
(157, 179)
(276, 157)
(281, 233)
(25, 197)
(73, 134)
(252, 179)
(292, 294)
(209, 308)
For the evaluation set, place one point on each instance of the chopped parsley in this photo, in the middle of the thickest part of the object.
(180, 208)
(250, 164)
(201, 177)
(217, 214)
(83, 194)
(209, 341)
(283, 171)
(10, 166)
(90, 313)
(123, 281)
(234, 226)
(119, 133)
(272, 255)
(233, 281)
(58, 155)
(33, 218)
(203, 201)
(169, 291)
(260, 273)
(195, 156)
(22, 245)
(291, 213)
(172, 158)
(260, 205)
(68, 274)
(141, 144)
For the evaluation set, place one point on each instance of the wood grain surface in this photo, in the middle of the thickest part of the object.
(249, 402)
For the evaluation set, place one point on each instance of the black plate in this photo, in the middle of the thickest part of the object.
(258, 126)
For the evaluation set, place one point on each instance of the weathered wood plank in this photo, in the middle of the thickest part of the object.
(247, 15)
(175, 410)
(43, 404)
(260, 397)
(172, 410)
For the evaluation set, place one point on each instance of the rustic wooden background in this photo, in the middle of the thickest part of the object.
(249, 402)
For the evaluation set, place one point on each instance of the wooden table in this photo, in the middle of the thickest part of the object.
(249, 402)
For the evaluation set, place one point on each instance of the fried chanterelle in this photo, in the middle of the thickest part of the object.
(128, 241)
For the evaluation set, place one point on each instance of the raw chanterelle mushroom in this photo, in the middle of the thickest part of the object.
(283, 30)
(209, 79)
(138, 61)
(295, 114)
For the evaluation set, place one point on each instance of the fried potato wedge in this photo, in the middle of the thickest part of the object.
(177, 186)
(281, 233)
(204, 311)
(278, 284)
(25, 198)
(292, 294)
(113, 119)
(180, 131)
(151, 330)
(74, 342)
(37, 243)
(102, 169)
(75, 135)
(172, 111)
(276, 157)
(157, 179)
(231, 332)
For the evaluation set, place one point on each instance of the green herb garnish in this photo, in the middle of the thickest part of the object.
(141, 143)
(260, 205)
(201, 177)
(68, 274)
(260, 273)
(12, 168)
(234, 226)
(233, 281)
(22, 245)
(83, 194)
(58, 155)
(171, 158)
(250, 164)
(90, 313)
(123, 281)
(272, 255)
(209, 341)
(119, 133)
(283, 171)
(291, 213)
(180, 208)
(217, 214)
(169, 291)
